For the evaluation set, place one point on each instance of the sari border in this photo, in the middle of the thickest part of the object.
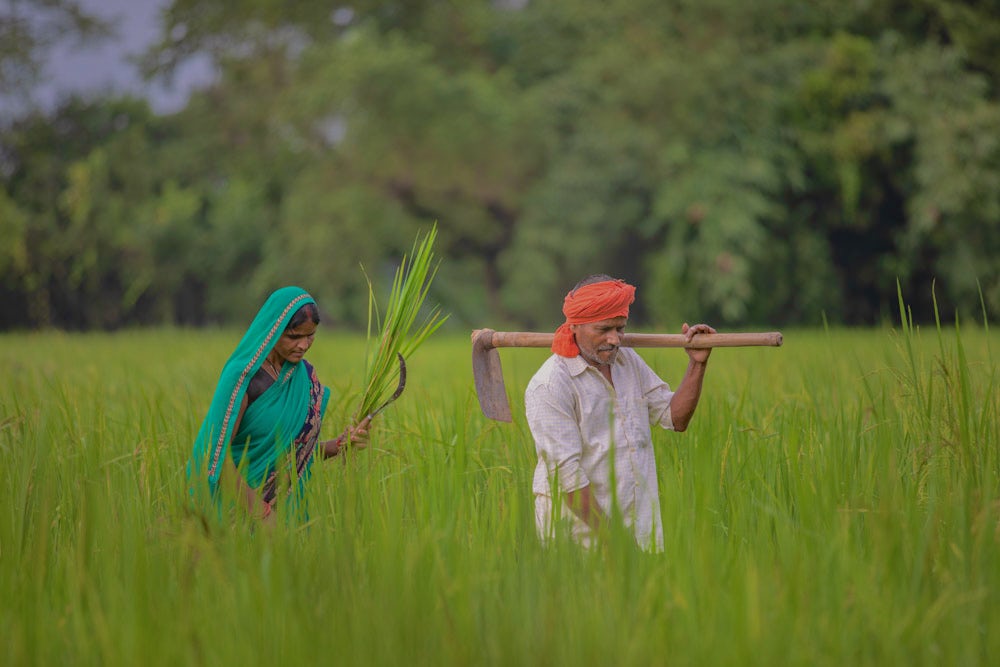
(217, 452)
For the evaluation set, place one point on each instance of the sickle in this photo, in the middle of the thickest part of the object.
(399, 388)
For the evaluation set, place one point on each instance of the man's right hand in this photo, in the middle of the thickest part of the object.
(585, 506)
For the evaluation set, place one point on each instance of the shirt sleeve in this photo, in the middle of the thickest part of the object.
(556, 431)
(658, 397)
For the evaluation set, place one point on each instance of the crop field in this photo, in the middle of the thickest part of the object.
(836, 501)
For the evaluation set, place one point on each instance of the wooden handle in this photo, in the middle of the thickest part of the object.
(767, 339)
(487, 338)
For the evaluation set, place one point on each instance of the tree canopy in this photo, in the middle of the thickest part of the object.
(773, 162)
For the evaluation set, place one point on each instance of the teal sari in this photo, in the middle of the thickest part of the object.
(280, 429)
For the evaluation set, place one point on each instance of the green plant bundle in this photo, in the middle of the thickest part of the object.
(400, 329)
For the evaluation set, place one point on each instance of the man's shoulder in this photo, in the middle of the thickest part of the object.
(552, 367)
(557, 371)
(633, 365)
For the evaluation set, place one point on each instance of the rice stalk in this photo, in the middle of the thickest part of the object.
(400, 329)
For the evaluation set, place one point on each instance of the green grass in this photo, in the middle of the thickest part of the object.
(836, 501)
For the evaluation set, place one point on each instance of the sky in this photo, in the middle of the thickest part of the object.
(104, 66)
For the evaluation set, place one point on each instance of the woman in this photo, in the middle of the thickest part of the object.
(262, 428)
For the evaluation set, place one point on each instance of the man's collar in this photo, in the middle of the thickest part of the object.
(577, 365)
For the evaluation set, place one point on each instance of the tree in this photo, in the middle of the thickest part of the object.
(770, 162)
(49, 164)
(28, 28)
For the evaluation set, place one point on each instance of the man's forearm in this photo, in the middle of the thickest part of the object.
(685, 399)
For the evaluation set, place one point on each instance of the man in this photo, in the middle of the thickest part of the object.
(590, 407)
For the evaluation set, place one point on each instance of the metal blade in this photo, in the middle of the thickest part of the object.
(488, 376)
(399, 387)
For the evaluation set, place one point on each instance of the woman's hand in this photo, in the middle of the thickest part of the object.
(266, 513)
(356, 436)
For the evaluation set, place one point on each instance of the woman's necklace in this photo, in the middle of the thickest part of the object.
(273, 372)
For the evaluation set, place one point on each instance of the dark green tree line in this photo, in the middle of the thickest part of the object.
(744, 163)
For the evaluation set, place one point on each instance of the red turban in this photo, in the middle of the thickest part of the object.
(591, 303)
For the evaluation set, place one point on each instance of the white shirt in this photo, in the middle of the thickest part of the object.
(581, 423)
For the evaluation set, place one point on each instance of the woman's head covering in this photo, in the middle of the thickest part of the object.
(267, 327)
(591, 303)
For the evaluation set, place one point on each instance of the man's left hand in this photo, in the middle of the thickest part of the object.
(699, 355)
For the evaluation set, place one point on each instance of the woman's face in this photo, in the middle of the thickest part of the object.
(294, 343)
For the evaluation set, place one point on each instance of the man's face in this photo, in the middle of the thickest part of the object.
(599, 341)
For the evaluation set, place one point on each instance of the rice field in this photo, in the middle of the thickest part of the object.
(836, 501)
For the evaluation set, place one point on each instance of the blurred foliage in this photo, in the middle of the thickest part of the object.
(29, 28)
(763, 163)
